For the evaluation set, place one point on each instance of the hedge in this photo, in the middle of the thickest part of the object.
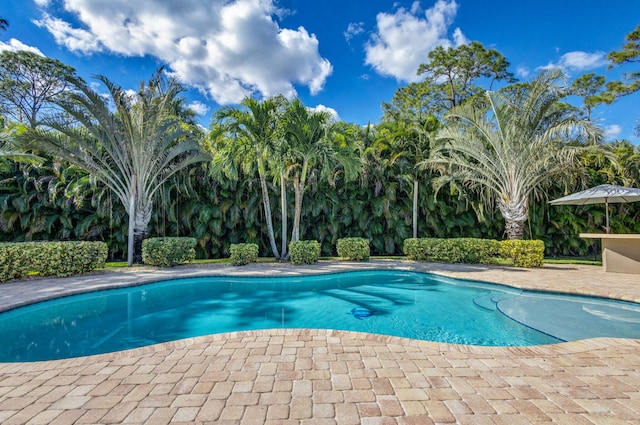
(454, 250)
(304, 252)
(353, 249)
(243, 253)
(523, 253)
(168, 252)
(14, 261)
(528, 253)
(50, 258)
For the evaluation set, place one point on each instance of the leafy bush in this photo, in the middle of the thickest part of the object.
(243, 253)
(14, 261)
(523, 253)
(168, 252)
(67, 258)
(304, 252)
(353, 249)
(50, 258)
(455, 250)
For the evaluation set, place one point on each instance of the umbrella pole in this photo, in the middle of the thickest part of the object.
(606, 205)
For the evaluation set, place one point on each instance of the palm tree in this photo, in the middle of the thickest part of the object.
(311, 145)
(3, 23)
(409, 142)
(133, 149)
(255, 134)
(515, 147)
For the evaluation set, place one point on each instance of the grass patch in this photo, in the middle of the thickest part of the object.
(115, 264)
(572, 261)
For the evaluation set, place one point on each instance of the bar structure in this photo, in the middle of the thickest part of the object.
(620, 252)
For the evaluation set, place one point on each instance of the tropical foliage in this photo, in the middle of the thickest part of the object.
(113, 168)
(133, 150)
(515, 148)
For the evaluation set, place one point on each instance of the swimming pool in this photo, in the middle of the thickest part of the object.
(399, 303)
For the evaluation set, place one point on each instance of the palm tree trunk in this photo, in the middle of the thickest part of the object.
(295, 236)
(515, 230)
(132, 222)
(300, 184)
(267, 212)
(142, 219)
(515, 215)
(283, 211)
(415, 208)
(138, 237)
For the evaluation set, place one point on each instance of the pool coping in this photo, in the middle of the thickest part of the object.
(15, 294)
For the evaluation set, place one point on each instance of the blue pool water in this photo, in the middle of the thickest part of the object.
(398, 303)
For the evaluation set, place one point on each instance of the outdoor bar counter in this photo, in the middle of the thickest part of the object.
(620, 252)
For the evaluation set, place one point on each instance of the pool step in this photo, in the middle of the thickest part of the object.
(496, 298)
(490, 301)
(485, 302)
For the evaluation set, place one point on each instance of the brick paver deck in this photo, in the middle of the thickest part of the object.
(330, 377)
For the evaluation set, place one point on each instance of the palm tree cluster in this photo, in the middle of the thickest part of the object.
(285, 140)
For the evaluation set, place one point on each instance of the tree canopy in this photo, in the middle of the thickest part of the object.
(30, 84)
(628, 54)
(454, 72)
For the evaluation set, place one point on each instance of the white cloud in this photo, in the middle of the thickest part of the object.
(14, 45)
(523, 72)
(198, 107)
(226, 49)
(354, 28)
(612, 131)
(579, 61)
(332, 112)
(74, 39)
(459, 38)
(404, 39)
(582, 61)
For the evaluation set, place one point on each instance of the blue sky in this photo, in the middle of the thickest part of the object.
(344, 56)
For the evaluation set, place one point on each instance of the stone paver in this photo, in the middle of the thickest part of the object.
(287, 376)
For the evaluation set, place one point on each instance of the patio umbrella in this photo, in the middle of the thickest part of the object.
(604, 194)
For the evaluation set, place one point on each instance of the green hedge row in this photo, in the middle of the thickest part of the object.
(523, 253)
(168, 252)
(243, 253)
(454, 250)
(353, 249)
(14, 261)
(304, 252)
(50, 258)
(528, 253)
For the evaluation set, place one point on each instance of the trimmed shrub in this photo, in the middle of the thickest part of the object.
(14, 261)
(304, 252)
(243, 253)
(67, 258)
(168, 252)
(458, 250)
(51, 258)
(523, 253)
(353, 249)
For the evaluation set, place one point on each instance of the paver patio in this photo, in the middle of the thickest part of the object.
(330, 377)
